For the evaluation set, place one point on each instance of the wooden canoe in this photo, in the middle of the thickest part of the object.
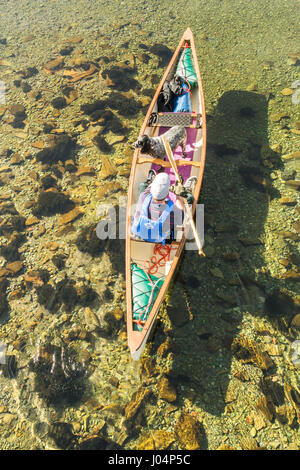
(138, 252)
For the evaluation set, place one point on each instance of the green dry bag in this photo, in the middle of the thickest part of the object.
(145, 289)
(185, 67)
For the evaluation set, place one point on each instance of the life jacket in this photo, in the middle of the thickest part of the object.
(152, 230)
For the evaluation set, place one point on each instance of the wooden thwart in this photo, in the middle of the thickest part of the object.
(159, 161)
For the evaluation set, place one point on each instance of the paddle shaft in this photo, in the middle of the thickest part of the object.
(187, 207)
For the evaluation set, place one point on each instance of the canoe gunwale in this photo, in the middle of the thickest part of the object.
(136, 339)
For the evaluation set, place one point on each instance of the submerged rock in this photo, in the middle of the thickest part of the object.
(253, 178)
(58, 374)
(120, 77)
(295, 353)
(163, 52)
(127, 107)
(163, 439)
(3, 300)
(59, 102)
(12, 223)
(70, 216)
(264, 407)
(222, 150)
(108, 169)
(59, 261)
(91, 319)
(278, 304)
(60, 151)
(10, 251)
(247, 351)
(28, 72)
(136, 402)
(102, 144)
(63, 436)
(48, 181)
(296, 321)
(146, 443)
(287, 201)
(99, 443)
(52, 202)
(188, 433)
(166, 391)
(294, 184)
(88, 242)
(285, 414)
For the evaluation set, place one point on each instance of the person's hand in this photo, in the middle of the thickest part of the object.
(178, 188)
(181, 191)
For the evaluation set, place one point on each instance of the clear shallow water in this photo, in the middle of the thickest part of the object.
(244, 54)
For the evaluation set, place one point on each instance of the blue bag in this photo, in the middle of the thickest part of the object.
(183, 102)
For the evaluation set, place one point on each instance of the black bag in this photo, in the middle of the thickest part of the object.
(170, 89)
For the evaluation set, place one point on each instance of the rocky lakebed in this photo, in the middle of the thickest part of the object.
(222, 369)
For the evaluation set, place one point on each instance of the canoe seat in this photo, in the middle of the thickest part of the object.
(175, 119)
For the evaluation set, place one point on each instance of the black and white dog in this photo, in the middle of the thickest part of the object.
(154, 145)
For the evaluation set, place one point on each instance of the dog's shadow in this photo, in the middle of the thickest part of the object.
(232, 280)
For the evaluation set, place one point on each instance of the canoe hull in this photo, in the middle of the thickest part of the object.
(138, 339)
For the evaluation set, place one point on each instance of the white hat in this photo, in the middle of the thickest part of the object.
(160, 186)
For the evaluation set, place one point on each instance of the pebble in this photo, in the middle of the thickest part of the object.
(291, 156)
(136, 401)
(288, 174)
(297, 226)
(31, 220)
(69, 216)
(295, 353)
(294, 184)
(8, 418)
(54, 64)
(259, 422)
(14, 267)
(287, 201)
(252, 87)
(16, 159)
(287, 91)
(296, 321)
(216, 272)
(209, 251)
(276, 117)
(91, 319)
(107, 169)
(85, 170)
(76, 427)
(288, 235)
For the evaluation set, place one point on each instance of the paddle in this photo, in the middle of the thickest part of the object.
(187, 207)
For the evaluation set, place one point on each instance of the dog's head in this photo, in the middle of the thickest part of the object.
(176, 85)
(143, 142)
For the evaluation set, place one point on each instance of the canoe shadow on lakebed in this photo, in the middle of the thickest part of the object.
(232, 280)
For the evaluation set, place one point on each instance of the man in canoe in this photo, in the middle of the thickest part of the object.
(156, 217)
